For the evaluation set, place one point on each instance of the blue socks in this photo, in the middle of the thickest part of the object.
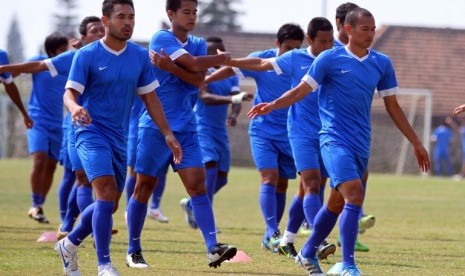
(269, 208)
(136, 218)
(84, 197)
(280, 206)
(84, 227)
(129, 186)
(212, 176)
(102, 223)
(64, 191)
(221, 181)
(204, 218)
(158, 192)
(311, 206)
(37, 200)
(322, 225)
(348, 230)
(296, 215)
(72, 211)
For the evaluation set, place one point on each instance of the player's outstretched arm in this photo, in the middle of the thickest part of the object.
(220, 74)
(79, 114)
(155, 110)
(398, 116)
(12, 91)
(164, 62)
(252, 63)
(25, 67)
(287, 99)
(459, 109)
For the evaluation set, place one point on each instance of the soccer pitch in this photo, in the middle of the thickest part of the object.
(420, 229)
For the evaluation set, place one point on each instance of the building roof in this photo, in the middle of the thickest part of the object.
(429, 58)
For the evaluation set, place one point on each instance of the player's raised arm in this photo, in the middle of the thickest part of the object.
(398, 116)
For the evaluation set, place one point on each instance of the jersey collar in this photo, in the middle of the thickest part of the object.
(355, 56)
(309, 52)
(116, 53)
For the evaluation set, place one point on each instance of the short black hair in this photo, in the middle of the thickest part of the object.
(108, 6)
(174, 5)
(318, 24)
(215, 41)
(53, 42)
(355, 14)
(85, 22)
(343, 9)
(290, 31)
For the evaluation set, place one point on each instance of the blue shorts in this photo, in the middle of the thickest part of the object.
(41, 138)
(154, 156)
(307, 154)
(273, 154)
(132, 151)
(101, 157)
(215, 147)
(342, 164)
(76, 163)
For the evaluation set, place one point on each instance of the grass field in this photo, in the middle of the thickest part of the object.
(420, 230)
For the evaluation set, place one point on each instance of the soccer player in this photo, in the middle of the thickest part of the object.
(365, 220)
(45, 137)
(347, 78)
(441, 137)
(12, 90)
(211, 112)
(106, 75)
(178, 98)
(91, 29)
(303, 127)
(268, 134)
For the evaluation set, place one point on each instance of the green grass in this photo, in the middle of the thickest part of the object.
(420, 230)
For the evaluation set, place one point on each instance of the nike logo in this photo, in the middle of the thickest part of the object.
(304, 67)
(63, 255)
(270, 218)
(106, 256)
(79, 239)
(212, 233)
(102, 68)
(345, 71)
(135, 239)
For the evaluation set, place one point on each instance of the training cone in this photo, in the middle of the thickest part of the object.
(48, 237)
(241, 257)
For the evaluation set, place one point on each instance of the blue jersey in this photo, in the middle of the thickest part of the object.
(303, 119)
(61, 64)
(177, 97)
(443, 135)
(212, 118)
(46, 101)
(270, 86)
(5, 77)
(136, 110)
(346, 93)
(108, 81)
(338, 43)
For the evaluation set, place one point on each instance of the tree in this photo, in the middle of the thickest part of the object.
(219, 15)
(66, 19)
(14, 42)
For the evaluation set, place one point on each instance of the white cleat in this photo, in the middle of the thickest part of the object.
(68, 257)
(107, 270)
(157, 215)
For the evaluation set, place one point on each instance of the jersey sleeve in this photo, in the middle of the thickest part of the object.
(61, 64)
(167, 41)
(387, 86)
(234, 84)
(318, 70)
(5, 77)
(79, 71)
(147, 81)
(283, 63)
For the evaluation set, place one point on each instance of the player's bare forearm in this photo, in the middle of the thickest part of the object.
(220, 74)
(251, 63)
(26, 67)
(13, 92)
(459, 109)
(398, 116)
(292, 96)
(202, 63)
(194, 78)
(164, 62)
(155, 110)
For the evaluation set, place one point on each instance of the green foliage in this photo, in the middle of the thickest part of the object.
(419, 229)
(219, 15)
